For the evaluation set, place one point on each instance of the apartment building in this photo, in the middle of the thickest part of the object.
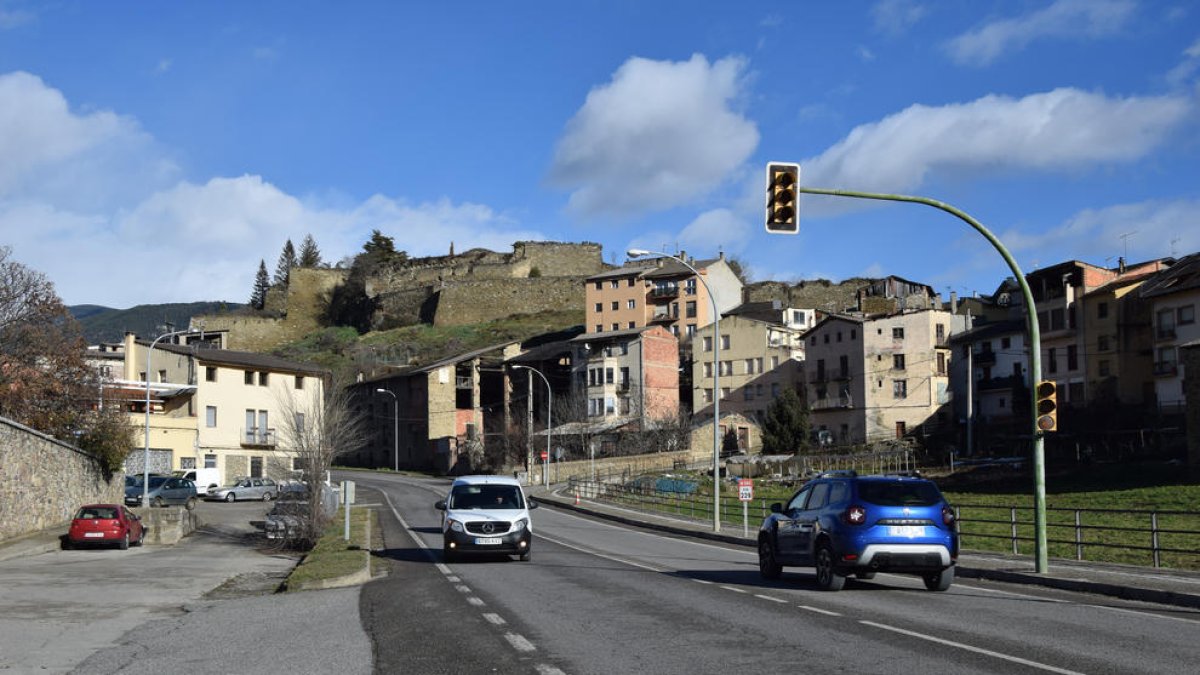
(216, 408)
(631, 373)
(990, 378)
(660, 292)
(1174, 294)
(872, 379)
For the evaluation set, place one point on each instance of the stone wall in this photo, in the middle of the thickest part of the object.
(812, 294)
(289, 316)
(43, 481)
(472, 302)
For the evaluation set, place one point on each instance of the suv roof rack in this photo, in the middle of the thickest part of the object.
(913, 473)
(841, 473)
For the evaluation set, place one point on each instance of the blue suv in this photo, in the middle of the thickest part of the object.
(841, 524)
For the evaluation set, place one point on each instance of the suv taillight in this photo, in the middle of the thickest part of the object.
(855, 515)
(947, 515)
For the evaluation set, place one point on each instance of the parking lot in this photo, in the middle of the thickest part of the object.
(61, 606)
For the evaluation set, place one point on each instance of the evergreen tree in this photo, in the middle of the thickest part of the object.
(287, 260)
(262, 283)
(786, 428)
(310, 255)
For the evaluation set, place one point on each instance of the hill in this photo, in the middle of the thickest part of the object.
(105, 324)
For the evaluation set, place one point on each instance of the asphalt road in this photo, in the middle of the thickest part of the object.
(599, 598)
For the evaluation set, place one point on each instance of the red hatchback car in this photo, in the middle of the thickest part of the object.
(105, 524)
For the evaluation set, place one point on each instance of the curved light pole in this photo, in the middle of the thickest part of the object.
(638, 253)
(396, 429)
(549, 404)
(146, 451)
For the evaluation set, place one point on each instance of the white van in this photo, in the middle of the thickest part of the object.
(203, 478)
(486, 514)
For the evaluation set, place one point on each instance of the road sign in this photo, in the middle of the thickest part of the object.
(745, 489)
(544, 455)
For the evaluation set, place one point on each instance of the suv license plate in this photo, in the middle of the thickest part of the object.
(910, 531)
(487, 541)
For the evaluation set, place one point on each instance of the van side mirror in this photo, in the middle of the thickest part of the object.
(777, 507)
(440, 505)
(532, 504)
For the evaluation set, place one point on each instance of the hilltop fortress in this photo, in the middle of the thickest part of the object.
(472, 287)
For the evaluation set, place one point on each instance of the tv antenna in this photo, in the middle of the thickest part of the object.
(1125, 241)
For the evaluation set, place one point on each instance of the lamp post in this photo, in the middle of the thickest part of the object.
(146, 451)
(396, 427)
(638, 253)
(549, 408)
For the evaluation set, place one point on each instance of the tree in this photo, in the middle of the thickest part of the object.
(45, 380)
(318, 429)
(310, 255)
(287, 260)
(262, 283)
(785, 431)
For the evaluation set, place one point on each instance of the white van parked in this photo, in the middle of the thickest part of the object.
(203, 478)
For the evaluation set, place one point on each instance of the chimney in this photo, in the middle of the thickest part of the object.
(953, 302)
(1121, 265)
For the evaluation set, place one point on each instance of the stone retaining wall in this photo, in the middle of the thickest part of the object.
(43, 481)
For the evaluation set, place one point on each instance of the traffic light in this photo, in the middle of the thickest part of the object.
(1047, 406)
(783, 207)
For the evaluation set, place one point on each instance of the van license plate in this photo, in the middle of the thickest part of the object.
(487, 541)
(910, 531)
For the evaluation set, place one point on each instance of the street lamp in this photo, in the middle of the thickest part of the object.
(549, 404)
(639, 253)
(396, 429)
(146, 451)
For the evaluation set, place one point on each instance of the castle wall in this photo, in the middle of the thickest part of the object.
(478, 301)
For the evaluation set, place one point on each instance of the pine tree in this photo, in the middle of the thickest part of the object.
(310, 255)
(262, 283)
(785, 430)
(287, 260)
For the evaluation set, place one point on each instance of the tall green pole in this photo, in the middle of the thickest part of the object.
(1035, 352)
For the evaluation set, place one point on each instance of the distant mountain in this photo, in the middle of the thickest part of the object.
(104, 324)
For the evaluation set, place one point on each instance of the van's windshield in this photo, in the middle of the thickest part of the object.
(485, 497)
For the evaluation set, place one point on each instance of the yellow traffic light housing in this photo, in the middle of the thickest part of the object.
(783, 206)
(1047, 406)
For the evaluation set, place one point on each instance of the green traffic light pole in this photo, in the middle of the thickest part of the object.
(1035, 351)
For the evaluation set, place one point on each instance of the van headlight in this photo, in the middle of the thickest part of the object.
(521, 524)
(454, 525)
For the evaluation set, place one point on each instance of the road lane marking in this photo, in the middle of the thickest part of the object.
(703, 581)
(463, 588)
(735, 589)
(494, 619)
(602, 555)
(519, 643)
(969, 648)
(767, 597)
(545, 669)
(477, 602)
(818, 610)
(452, 579)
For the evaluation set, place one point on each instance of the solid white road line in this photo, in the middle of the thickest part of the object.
(969, 648)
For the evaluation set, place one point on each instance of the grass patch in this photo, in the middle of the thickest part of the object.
(333, 556)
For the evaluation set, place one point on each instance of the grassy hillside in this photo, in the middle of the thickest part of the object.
(104, 324)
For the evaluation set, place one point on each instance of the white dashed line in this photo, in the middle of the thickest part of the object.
(818, 610)
(494, 619)
(767, 597)
(475, 601)
(519, 643)
(453, 579)
(735, 589)
(703, 581)
(545, 669)
(463, 589)
(969, 648)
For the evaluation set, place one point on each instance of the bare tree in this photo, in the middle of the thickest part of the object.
(317, 430)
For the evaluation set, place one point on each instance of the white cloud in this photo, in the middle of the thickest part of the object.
(1095, 234)
(895, 17)
(1180, 74)
(659, 135)
(1062, 19)
(1057, 130)
(714, 231)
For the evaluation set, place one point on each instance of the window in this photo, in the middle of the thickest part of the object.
(210, 461)
(897, 361)
(758, 390)
(249, 377)
(827, 338)
(708, 396)
(1001, 403)
(689, 286)
(797, 316)
(724, 342)
(691, 329)
(599, 328)
(853, 334)
(187, 463)
(632, 324)
(1052, 360)
(262, 379)
(774, 390)
(299, 381)
(595, 407)
(599, 307)
(690, 309)
(724, 393)
(1103, 368)
(599, 285)
(162, 376)
(1072, 357)
(210, 416)
(839, 336)
(614, 284)
(749, 366)
(299, 420)
(941, 363)
(708, 344)
(210, 374)
(1102, 310)
(708, 369)
(899, 388)
(608, 375)
(747, 394)
(616, 305)
(1102, 343)
(940, 332)
(616, 326)
(610, 405)
(675, 331)
(1187, 315)
(631, 304)
(631, 282)
(759, 363)
(898, 333)
(623, 375)
(1005, 343)
(844, 366)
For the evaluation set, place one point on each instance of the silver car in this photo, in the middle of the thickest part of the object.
(245, 488)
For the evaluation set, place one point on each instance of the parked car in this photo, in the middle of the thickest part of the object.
(205, 479)
(105, 524)
(245, 488)
(486, 514)
(164, 490)
(841, 523)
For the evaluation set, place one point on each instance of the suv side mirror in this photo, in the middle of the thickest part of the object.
(440, 505)
(777, 507)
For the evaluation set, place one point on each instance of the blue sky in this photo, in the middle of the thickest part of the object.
(156, 151)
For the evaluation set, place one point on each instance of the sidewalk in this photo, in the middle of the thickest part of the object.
(1146, 584)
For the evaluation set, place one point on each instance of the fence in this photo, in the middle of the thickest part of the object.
(1160, 538)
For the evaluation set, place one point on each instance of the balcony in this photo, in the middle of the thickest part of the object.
(1166, 369)
(1162, 334)
(258, 438)
(665, 291)
(662, 317)
(998, 383)
(984, 358)
(832, 403)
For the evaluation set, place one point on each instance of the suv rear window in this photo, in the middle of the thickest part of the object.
(899, 493)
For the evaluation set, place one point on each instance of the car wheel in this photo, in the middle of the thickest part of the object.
(230, 497)
(865, 576)
(827, 577)
(939, 581)
(190, 504)
(141, 537)
(158, 502)
(768, 566)
(124, 543)
(266, 496)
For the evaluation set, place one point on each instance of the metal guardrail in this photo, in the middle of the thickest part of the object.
(1133, 535)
